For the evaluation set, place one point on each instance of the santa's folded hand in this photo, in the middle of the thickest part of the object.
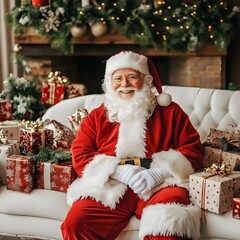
(146, 180)
(124, 173)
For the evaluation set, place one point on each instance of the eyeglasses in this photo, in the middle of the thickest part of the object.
(132, 78)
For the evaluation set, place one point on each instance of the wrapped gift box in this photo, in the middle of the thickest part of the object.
(75, 90)
(218, 156)
(53, 90)
(6, 150)
(76, 119)
(62, 135)
(236, 208)
(31, 140)
(55, 177)
(5, 110)
(215, 135)
(212, 192)
(20, 173)
(52, 93)
(11, 129)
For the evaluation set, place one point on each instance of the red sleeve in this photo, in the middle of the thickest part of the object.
(187, 140)
(84, 147)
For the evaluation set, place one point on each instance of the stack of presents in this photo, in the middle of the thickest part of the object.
(37, 154)
(217, 187)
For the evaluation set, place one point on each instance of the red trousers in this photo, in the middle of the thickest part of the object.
(90, 220)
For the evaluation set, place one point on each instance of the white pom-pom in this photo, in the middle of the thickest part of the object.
(164, 99)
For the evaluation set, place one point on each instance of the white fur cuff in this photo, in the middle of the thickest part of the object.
(176, 163)
(170, 219)
(95, 183)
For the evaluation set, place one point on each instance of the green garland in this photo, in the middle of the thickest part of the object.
(56, 156)
(183, 25)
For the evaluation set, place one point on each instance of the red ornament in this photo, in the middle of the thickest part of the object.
(37, 3)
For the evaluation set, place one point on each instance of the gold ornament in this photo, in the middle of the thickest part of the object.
(78, 31)
(98, 29)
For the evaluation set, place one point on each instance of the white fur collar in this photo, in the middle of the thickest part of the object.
(131, 138)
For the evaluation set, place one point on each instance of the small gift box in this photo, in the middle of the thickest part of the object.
(33, 136)
(53, 90)
(57, 177)
(218, 156)
(236, 208)
(222, 139)
(212, 192)
(20, 173)
(62, 135)
(7, 149)
(5, 110)
(11, 129)
(214, 189)
(77, 118)
(75, 90)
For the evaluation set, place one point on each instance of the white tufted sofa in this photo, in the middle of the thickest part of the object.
(41, 212)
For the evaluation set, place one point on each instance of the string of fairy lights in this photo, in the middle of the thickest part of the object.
(183, 25)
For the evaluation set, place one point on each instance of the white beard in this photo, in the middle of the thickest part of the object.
(139, 106)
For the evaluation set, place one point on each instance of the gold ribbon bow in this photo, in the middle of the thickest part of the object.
(33, 126)
(56, 78)
(221, 170)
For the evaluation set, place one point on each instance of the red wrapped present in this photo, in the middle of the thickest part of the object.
(7, 149)
(57, 177)
(236, 208)
(33, 136)
(5, 110)
(77, 118)
(53, 90)
(62, 135)
(20, 173)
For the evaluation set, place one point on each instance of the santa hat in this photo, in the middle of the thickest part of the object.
(136, 61)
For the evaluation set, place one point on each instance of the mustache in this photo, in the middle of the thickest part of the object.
(125, 89)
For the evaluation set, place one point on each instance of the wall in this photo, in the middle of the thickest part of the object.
(201, 71)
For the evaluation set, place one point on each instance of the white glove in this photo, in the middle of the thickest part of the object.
(124, 173)
(146, 180)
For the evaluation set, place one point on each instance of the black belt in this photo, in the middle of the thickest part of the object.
(143, 162)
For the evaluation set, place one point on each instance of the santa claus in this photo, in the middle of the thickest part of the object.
(133, 156)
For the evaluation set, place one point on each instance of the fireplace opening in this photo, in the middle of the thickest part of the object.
(193, 71)
(87, 70)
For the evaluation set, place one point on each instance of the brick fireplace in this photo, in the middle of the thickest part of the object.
(205, 68)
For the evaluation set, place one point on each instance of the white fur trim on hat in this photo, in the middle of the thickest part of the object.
(127, 59)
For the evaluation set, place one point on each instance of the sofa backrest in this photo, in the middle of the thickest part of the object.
(207, 108)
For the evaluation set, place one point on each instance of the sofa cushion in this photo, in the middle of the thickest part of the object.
(39, 203)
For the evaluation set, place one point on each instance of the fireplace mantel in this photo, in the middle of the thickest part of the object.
(106, 45)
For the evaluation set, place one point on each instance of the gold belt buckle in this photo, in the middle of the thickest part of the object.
(137, 161)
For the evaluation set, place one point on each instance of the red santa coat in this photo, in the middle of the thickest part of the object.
(167, 137)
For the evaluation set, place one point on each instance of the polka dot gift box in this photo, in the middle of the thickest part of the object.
(213, 192)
